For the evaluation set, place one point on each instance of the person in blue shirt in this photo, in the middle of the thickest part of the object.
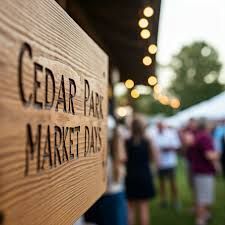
(219, 142)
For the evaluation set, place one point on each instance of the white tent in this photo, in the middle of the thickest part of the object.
(213, 108)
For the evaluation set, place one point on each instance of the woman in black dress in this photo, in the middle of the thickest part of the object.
(139, 182)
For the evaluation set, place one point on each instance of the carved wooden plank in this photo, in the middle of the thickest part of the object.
(53, 111)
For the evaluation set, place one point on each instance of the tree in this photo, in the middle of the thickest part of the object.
(196, 68)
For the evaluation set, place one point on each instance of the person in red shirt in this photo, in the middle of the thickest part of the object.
(187, 136)
(203, 158)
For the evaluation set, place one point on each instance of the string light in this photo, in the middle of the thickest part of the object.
(145, 33)
(164, 100)
(143, 23)
(175, 103)
(152, 80)
(157, 89)
(129, 83)
(134, 93)
(152, 49)
(147, 61)
(121, 111)
(148, 11)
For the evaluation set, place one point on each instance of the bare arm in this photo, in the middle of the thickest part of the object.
(120, 156)
(154, 152)
(119, 148)
(212, 155)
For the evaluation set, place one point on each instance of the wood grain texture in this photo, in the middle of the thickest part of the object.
(54, 193)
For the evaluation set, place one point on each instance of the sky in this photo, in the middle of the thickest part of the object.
(185, 21)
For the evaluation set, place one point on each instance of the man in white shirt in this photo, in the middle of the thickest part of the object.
(167, 142)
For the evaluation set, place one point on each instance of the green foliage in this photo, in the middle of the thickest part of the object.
(196, 68)
(143, 104)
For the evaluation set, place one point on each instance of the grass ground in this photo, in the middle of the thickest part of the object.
(183, 217)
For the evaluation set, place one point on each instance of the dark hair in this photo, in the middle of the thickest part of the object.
(202, 124)
(137, 128)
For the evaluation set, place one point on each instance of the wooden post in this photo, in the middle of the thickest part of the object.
(53, 115)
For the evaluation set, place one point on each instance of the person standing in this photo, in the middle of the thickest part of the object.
(222, 158)
(203, 160)
(167, 142)
(111, 208)
(219, 142)
(139, 182)
(187, 136)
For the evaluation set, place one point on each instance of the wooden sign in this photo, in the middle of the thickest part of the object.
(53, 112)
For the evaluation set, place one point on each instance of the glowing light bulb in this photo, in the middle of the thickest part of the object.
(134, 93)
(152, 80)
(129, 83)
(143, 23)
(148, 11)
(147, 61)
(164, 100)
(175, 103)
(145, 34)
(121, 111)
(152, 49)
(157, 89)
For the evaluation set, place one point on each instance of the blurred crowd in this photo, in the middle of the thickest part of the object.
(141, 155)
